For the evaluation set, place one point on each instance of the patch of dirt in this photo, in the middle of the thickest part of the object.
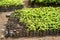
(36, 38)
(3, 21)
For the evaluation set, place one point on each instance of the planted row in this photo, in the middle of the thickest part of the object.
(7, 3)
(36, 19)
(46, 1)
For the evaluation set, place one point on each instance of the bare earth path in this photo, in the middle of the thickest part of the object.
(3, 21)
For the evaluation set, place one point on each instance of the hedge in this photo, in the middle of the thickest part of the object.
(8, 3)
(36, 19)
(46, 1)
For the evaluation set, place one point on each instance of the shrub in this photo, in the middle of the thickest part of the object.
(46, 1)
(43, 18)
(10, 2)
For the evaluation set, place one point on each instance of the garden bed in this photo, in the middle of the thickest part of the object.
(46, 1)
(42, 3)
(31, 22)
(7, 5)
(16, 29)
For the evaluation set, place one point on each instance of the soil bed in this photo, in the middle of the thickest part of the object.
(11, 8)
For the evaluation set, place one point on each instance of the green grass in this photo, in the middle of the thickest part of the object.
(43, 18)
(7, 3)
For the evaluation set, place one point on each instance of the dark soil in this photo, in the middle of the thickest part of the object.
(10, 8)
